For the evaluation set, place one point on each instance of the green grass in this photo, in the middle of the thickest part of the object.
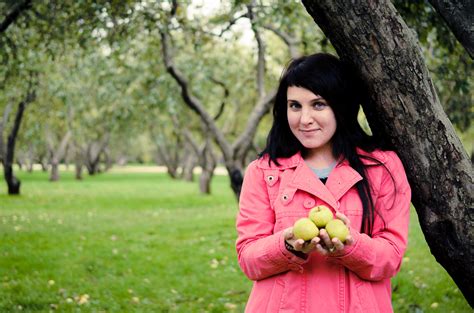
(146, 243)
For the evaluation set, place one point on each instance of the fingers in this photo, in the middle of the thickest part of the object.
(326, 241)
(315, 240)
(321, 250)
(322, 243)
(337, 244)
(343, 218)
(298, 244)
(288, 233)
(349, 241)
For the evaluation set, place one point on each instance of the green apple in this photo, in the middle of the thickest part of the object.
(337, 229)
(305, 229)
(320, 215)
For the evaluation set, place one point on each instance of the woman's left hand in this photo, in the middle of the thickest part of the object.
(327, 246)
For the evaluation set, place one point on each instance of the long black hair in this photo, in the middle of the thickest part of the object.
(337, 82)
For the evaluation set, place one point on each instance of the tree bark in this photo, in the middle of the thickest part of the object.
(188, 165)
(54, 176)
(208, 165)
(168, 154)
(79, 157)
(57, 154)
(30, 159)
(459, 16)
(206, 160)
(3, 122)
(93, 152)
(44, 164)
(404, 108)
(13, 182)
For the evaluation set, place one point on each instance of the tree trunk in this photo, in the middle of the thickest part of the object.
(93, 167)
(459, 16)
(44, 164)
(236, 178)
(93, 152)
(78, 159)
(78, 170)
(405, 109)
(3, 122)
(12, 182)
(54, 171)
(189, 163)
(57, 154)
(108, 161)
(208, 165)
(167, 155)
(30, 159)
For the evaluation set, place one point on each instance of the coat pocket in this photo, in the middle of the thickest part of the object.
(366, 297)
(276, 297)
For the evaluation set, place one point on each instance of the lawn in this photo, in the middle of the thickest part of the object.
(141, 242)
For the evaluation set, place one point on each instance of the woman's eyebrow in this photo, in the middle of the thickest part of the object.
(317, 98)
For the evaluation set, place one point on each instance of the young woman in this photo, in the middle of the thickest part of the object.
(317, 154)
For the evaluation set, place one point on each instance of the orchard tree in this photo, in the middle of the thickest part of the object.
(403, 107)
(234, 152)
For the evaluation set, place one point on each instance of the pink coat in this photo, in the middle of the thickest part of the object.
(354, 280)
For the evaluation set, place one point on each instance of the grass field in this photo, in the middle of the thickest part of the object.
(139, 242)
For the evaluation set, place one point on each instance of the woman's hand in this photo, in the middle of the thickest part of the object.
(327, 246)
(300, 244)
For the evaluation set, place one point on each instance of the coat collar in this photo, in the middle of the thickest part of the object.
(341, 179)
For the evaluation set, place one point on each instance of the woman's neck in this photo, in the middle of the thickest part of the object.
(319, 158)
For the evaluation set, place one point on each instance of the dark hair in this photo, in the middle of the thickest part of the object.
(337, 82)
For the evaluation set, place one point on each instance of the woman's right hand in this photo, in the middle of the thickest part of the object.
(300, 244)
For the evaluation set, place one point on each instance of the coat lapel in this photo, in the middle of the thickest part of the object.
(341, 179)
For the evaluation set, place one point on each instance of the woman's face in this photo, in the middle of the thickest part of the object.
(311, 119)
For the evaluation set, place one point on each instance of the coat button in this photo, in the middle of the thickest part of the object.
(309, 203)
(270, 178)
(284, 197)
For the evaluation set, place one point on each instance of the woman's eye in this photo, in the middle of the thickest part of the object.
(294, 105)
(319, 105)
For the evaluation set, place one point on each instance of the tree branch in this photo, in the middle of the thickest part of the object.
(226, 95)
(30, 97)
(231, 23)
(290, 41)
(190, 100)
(459, 15)
(14, 14)
(261, 54)
(244, 142)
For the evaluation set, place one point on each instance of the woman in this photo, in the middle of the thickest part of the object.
(317, 154)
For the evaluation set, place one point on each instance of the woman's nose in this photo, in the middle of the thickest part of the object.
(306, 117)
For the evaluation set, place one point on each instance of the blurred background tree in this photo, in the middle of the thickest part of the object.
(104, 95)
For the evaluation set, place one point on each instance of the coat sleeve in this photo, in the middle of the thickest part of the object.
(379, 257)
(261, 252)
